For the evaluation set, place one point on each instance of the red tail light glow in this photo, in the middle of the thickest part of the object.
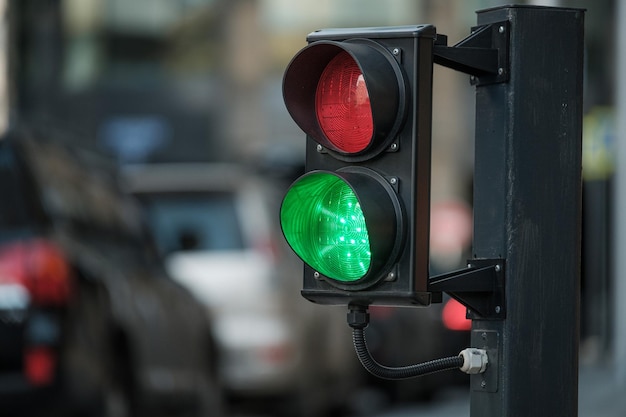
(343, 105)
(382, 312)
(39, 365)
(454, 316)
(277, 354)
(40, 267)
(268, 248)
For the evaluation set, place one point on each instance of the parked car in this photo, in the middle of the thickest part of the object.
(403, 336)
(90, 323)
(214, 225)
(399, 336)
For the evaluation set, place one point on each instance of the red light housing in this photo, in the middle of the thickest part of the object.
(350, 97)
(40, 267)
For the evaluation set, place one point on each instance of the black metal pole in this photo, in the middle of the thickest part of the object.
(527, 208)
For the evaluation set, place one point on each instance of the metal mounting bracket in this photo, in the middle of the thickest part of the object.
(484, 54)
(479, 287)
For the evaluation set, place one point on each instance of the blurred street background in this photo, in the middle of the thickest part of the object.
(178, 283)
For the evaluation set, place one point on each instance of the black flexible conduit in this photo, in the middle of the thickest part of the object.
(358, 319)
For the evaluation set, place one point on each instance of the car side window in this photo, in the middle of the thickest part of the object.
(193, 221)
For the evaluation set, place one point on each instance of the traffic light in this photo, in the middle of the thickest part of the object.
(359, 216)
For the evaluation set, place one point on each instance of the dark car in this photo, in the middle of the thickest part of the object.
(90, 323)
(402, 336)
(399, 336)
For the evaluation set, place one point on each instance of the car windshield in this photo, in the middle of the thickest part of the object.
(193, 221)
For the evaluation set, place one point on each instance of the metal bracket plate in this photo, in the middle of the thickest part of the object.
(488, 380)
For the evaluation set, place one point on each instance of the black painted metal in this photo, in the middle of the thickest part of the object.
(527, 210)
(479, 287)
(405, 163)
(483, 54)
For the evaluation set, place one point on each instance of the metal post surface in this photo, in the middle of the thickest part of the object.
(527, 209)
(619, 266)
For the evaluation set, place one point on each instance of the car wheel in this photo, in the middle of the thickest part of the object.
(117, 397)
(116, 403)
(97, 368)
(311, 397)
(209, 402)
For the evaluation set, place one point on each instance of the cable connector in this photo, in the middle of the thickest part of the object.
(358, 317)
(475, 361)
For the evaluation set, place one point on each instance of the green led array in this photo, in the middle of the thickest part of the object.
(322, 220)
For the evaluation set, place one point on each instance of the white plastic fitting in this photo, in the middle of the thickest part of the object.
(475, 361)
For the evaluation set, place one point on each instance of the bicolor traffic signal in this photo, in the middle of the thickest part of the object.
(359, 216)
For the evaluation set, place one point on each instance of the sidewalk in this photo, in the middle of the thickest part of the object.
(599, 395)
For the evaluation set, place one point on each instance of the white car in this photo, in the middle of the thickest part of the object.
(214, 225)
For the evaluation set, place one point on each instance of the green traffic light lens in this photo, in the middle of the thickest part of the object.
(322, 221)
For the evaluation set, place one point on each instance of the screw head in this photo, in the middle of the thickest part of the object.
(501, 29)
(395, 51)
(316, 275)
(320, 148)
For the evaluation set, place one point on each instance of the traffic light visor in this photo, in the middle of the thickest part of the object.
(322, 220)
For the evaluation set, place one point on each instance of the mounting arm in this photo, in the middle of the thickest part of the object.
(479, 287)
(484, 54)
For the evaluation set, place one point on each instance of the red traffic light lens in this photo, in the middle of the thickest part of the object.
(350, 97)
(342, 105)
